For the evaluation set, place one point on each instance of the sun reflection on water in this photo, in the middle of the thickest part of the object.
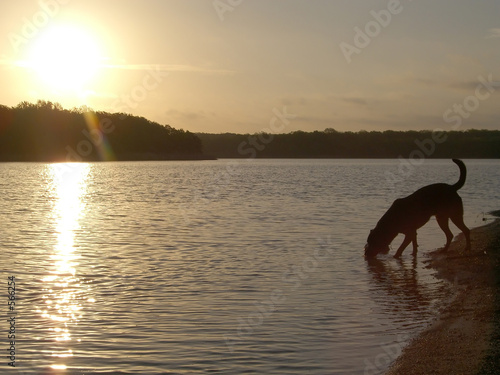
(63, 290)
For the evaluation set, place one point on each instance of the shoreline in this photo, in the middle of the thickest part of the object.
(461, 340)
(193, 158)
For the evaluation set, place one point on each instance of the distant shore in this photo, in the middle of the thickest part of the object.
(464, 339)
(331, 144)
(146, 157)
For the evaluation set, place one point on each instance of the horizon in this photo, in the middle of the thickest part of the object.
(229, 66)
(84, 110)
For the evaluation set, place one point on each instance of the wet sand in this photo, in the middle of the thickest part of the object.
(464, 337)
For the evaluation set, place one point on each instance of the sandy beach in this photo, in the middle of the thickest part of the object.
(464, 339)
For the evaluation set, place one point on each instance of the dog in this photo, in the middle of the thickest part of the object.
(408, 214)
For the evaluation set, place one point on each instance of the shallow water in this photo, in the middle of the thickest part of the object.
(225, 267)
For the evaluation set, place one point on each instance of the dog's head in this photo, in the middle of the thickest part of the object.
(375, 244)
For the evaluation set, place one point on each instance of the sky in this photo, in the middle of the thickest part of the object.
(232, 65)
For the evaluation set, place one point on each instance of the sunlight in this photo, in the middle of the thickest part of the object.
(69, 209)
(65, 58)
(59, 367)
(63, 289)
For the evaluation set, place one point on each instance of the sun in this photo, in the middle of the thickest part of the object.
(65, 58)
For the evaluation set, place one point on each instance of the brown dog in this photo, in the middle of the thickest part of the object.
(406, 215)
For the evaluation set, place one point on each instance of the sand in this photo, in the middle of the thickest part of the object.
(464, 339)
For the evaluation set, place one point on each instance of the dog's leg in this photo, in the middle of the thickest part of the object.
(415, 245)
(458, 220)
(406, 242)
(443, 224)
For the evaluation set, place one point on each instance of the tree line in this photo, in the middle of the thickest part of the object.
(44, 131)
(374, 144)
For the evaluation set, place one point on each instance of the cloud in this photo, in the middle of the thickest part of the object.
(471, 85)
(169, 68)
(14, 63)
(460, 86)
(464, 86)
(457, 86)
(4, 60)
(357, 101)
(187, 116)
(493, 33)
(294, 101)
(427, 81)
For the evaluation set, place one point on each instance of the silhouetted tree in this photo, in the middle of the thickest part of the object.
(44, 131)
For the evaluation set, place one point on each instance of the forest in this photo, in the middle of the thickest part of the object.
(44, 131)
(375, 144)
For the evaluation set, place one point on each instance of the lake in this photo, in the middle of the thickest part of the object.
(224, 267)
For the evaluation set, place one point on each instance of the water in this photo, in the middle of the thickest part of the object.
(225, 267)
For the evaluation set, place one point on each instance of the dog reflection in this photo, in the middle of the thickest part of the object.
(401, 282)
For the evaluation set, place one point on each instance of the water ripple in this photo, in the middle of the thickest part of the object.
(149, 268)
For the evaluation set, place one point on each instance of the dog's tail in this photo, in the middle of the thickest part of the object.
(463, 174)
